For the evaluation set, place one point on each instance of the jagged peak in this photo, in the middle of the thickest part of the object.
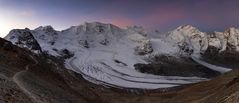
(95, 23)
(46, 28)
(186, 30)
(19, 32)
(231, 29)
(137, 29)
(26, 29)
(217, 32)
(24, 38)
(93, 27)
(187, 27)
(98, 24)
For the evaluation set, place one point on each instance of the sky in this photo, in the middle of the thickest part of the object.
(163, 15)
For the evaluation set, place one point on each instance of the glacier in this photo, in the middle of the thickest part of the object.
(106, 54)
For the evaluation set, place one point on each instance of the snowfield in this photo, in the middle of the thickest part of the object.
(106, 54)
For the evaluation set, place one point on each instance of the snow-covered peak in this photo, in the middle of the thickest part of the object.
(45, 28)
(99, 28)
(227, 40)
(231, 29)
(189, 39)
(24, 38)
(17, 33)
(231, 32)
(186, 27)
(188, 30)
(136, 29)
(93, 34)
(45, 35)
(232, 37)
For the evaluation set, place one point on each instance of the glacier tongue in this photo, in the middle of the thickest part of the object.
(220, 69)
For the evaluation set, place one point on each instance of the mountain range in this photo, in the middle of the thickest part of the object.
(129, 59)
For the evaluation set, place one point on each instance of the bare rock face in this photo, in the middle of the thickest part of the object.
(144, 48)
(139, 35)
(24, 38)
(227, 40)
(84, 43)
(218, 40)
(232, 35)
